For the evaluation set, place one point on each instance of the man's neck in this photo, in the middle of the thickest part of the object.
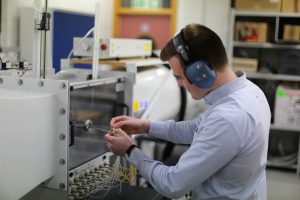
(225, 76)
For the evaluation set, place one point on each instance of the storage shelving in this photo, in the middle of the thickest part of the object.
(270, 70)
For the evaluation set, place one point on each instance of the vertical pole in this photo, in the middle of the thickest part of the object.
(96, 42)
(36, 61)
(44, 45)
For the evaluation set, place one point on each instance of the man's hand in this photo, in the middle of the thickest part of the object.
(130, 125)
(118, 142)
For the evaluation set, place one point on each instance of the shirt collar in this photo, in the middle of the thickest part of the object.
(226, 89)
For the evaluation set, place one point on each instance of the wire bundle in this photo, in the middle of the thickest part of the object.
(112, 177)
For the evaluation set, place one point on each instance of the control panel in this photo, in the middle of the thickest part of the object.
(95, 178)
(85, 180)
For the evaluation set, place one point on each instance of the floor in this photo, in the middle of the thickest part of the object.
(283, 184)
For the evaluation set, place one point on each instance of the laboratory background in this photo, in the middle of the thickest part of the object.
(68, 66)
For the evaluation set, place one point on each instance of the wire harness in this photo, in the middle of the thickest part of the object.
(97, 183)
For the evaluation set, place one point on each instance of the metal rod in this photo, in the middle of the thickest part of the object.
(45, 45)
(96, 42)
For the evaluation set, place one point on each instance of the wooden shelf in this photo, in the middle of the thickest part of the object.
(135, 11)
(130, 64)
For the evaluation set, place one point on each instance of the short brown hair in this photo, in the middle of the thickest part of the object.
(203, 44)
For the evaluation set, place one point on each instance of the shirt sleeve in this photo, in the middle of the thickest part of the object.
(176, 132)
(213, 146)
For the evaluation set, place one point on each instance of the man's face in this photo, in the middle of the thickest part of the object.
(195, 91)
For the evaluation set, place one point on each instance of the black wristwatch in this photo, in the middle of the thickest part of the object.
(130, 148)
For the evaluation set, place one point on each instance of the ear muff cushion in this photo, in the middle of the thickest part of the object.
(201, 74)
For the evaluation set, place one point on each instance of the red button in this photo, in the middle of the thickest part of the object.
(103, 47)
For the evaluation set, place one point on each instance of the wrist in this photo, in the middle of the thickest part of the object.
(147, 126)
(130, 148)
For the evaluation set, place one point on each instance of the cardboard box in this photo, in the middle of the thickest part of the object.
(287, 107)
(244, 64)
(258, 5)
(251, 32)
(291, 33)
(298, 6)
(288, 6)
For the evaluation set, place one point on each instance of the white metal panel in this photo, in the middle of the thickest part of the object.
(58, 123)
(27, 141)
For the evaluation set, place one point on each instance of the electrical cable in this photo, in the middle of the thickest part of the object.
(112, 177)
(36, 7)
(80, 41)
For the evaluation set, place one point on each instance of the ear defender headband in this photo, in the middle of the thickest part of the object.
(197, 71)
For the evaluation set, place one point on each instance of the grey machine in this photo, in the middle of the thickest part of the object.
(52, 134)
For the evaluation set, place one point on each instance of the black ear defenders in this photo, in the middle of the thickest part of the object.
(197, 71)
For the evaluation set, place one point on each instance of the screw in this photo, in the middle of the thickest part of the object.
(62, 136)
(20, 82)
(62, 111)
(62, 161)
(62, 186)
(41, 83)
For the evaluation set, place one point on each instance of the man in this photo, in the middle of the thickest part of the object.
(228, 142)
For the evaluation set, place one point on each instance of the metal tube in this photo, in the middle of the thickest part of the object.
(96, 42)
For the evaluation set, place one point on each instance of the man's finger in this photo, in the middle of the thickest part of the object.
(116, 120)
(108, 145)
(120, 131)
(109, 138)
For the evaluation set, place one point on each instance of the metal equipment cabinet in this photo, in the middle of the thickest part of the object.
(271, 55)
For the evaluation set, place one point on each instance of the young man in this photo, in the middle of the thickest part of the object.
(228, 142)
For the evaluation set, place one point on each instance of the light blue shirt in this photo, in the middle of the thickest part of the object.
(228, 147)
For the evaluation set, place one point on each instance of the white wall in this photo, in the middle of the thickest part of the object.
(9, 27)
(88, 6)
(211, 13)
(216, 16)
(189, 11)
(10, 15)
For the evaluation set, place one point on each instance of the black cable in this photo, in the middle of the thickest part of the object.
(1, 63)
(180, 117)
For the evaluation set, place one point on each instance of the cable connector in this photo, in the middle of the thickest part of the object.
(22, 64)
(5, 65)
